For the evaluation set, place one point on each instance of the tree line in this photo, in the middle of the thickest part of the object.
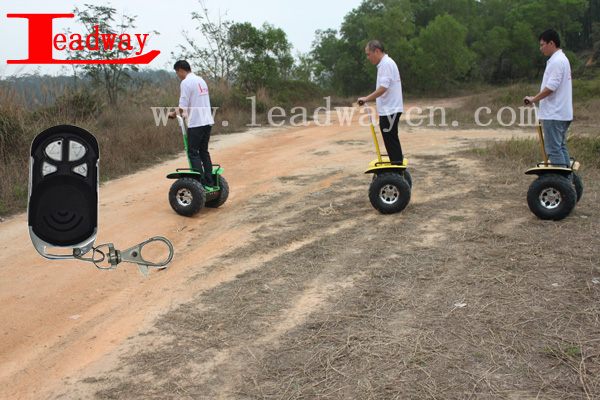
(441, 43)
(438, 45)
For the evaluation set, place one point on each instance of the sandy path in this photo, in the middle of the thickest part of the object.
(62, 320)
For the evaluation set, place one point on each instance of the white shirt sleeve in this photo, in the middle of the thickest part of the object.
(555, 74)
(184, 98)
(386, 79)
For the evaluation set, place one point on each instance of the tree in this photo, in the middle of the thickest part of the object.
(492, 51)
(304, 70)
(263, 55)
(98, 20)
(442, 55)
(326, 54)
(342, 61)
(218, 60)
(495, 40)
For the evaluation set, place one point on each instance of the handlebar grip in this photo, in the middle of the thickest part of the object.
(526, 101)
(360, 102)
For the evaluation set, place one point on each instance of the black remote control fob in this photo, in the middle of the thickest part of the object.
(63, 190)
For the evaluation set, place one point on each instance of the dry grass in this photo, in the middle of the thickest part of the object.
(128, 139)
(585, 108)
(465, 295)
(127, 134)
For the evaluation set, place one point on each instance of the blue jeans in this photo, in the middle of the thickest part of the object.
(198, 138)
(555, 142)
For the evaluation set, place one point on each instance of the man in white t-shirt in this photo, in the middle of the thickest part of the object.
(388, 95)
(556, 99)
(194, 105)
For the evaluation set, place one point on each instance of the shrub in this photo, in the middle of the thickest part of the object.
(12, 131)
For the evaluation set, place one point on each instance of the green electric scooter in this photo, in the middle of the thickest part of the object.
(187, 195)
(553, 194)
(390, 188)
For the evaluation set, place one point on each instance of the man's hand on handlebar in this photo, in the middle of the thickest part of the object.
(528, 100)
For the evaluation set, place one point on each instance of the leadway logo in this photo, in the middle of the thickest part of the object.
(42, 41)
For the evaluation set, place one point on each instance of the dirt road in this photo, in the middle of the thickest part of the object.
(272, 285)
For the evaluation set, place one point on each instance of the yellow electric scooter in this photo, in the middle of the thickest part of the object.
(390, 189)
(558, 187)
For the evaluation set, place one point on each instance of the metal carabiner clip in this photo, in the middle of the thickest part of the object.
(134, 255)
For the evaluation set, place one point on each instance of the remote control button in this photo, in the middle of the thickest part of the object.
(48, 169)
(81, 170)
(54, 150)
(76, 150)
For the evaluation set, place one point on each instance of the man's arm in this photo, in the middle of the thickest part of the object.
(378, 93)
(540, 96)
(183, 101)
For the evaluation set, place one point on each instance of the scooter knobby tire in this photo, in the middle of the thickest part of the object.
(223, 194)
(187, 196)
(407, 176)
(551, 196)
(578, 183)
(389, 193)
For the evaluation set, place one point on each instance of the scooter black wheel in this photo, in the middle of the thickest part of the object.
(389, 193)
(408, 178)
(406, 175)
(187, 196)
(578, 184)
(223, 194)
(551, 196)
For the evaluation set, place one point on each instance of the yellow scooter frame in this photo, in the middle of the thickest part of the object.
(382, 164)
(390, 189)
(545, 166)
(557, 189)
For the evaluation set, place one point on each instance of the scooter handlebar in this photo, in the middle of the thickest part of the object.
(181, 123)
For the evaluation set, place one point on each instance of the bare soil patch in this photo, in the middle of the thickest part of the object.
(298, 288)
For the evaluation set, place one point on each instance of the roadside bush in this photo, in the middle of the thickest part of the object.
(586, 89)
(128, 135)
(12, 131)
(288, 93)
(14, 146)
(77, 105)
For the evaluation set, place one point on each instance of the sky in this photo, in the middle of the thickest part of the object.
(298, 21)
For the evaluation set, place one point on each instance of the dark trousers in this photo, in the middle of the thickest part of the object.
(389, 130)
(198, 138)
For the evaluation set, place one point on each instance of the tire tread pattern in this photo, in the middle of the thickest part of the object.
(388, 178)
(558, 182)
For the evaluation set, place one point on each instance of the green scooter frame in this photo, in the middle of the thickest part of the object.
(187, 195)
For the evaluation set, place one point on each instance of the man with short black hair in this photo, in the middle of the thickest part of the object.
(388, 95)
(194, 104)
(555, 98)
